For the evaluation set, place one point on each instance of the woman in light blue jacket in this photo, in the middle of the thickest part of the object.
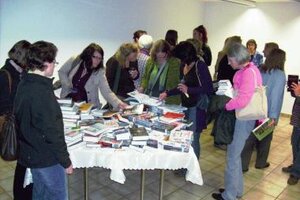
(274, 79)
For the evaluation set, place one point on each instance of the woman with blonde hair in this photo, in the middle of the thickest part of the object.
(122, 69)
(161, 73)
(274, 79)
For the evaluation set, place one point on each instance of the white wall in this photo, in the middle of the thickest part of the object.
(73, 24)
(269, 22)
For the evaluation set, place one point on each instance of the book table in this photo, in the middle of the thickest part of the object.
(118, 160)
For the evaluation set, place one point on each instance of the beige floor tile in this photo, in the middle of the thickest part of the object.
(269, 188)
(256, 194)
(290, 193)
(5, 196)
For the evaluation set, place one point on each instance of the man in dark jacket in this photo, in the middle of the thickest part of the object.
(39, 118)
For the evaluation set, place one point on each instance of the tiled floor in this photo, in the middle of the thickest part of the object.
(267, 184)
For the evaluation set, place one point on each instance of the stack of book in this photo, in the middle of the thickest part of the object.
(225, 88)
(92, 134)
(139, 136)
(73, 139)
(70, 113)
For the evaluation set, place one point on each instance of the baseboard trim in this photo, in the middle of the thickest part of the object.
(285, 115)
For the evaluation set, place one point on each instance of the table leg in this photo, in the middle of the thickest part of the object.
(161, 184)
(142, 185)
(86, 183)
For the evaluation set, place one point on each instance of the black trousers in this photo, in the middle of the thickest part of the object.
(21, 193)
(262, 148)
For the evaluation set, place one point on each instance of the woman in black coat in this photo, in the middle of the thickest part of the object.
(14, 67)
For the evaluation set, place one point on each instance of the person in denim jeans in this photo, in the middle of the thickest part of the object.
(40, 126)
(244, 84)
(294, 168)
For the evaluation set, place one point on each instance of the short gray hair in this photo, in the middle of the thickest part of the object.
(239, 52)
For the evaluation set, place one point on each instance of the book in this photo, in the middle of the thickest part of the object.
(174, 115)
(86, 107)
(71, 135)
(145, 99)
(139, 133)
(91, 138)
(175, 146)
(181, 136)
(65, 101)
(264, 129)
(92, 131)
(133, 110)
(139, 142)
(163, 127)
(109, 114)
(122, 134)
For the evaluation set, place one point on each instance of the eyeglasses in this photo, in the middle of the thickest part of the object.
(96, 57)
(55, 62)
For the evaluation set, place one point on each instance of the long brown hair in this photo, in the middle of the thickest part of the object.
(275, 60)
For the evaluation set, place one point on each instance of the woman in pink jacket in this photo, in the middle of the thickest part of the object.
(244, 84)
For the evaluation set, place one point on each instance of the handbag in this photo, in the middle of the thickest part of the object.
(8, 132)
(257, 108)
(8, 139)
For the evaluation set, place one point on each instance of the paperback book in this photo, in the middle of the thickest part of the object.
(264, 129)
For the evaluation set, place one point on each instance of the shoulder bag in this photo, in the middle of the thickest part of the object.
(257, 108)
(8, 133)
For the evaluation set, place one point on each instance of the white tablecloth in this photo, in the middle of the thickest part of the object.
(129, 159)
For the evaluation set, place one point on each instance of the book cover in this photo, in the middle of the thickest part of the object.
(139, 133)
(181, 136)
(264, 129)
(145, 99)
(174, 115)
(86, 107)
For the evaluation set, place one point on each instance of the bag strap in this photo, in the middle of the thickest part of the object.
(9, 80)
(117, 79)
(161, 69)
(197, 74)
(255, 78)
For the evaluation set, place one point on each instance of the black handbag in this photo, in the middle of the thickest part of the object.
(8, 139)
(8, 132)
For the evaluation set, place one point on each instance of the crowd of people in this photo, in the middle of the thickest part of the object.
(177, 73)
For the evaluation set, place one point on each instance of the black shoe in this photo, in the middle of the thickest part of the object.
(221, 190)
(287, 169)
(217, 196)
(263, 167)
(293, 180)
(245, 170)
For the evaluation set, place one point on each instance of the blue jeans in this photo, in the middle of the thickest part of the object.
(295, 140)
(49, 183)
(191, 114)
(233, 172)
